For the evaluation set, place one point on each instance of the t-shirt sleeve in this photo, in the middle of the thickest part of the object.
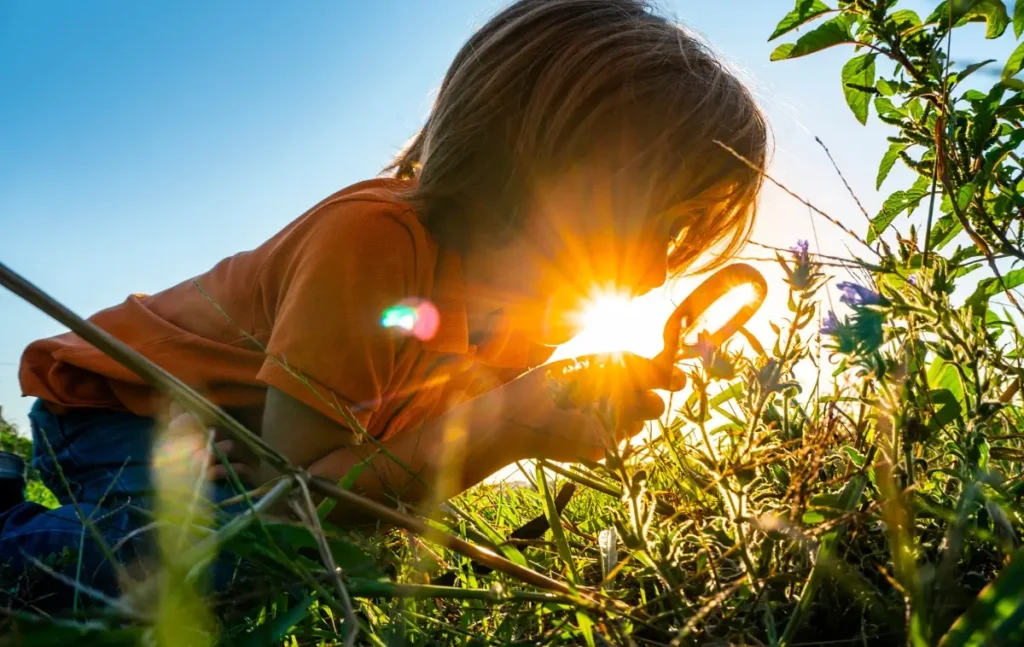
(326, 286)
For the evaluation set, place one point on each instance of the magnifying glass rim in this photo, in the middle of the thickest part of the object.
(702, 298)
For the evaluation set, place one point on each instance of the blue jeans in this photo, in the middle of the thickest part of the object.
(97, 464)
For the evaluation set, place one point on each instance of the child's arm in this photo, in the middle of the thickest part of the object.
(435, 461)
(449, 454)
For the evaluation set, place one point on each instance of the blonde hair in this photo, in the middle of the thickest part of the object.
(547, 83)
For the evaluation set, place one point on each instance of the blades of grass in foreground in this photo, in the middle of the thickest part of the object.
(272, 631)
(997, 615)
(555, 523)
(849, 499)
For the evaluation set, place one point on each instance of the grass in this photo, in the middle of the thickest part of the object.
(764, 513)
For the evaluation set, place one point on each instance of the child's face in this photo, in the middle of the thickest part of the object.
(588, 232)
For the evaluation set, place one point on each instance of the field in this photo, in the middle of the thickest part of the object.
(875, 502)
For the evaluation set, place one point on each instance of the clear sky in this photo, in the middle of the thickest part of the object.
(141, 142)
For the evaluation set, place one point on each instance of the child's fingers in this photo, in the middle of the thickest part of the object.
(647, 406)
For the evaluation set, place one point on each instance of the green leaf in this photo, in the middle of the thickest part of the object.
(896, 204)
(944, 231)
(886, 108)
(855, 456)
(905, 19)
(586, 626)
(947, 408)
(972, 68)
(991, 12)
(888, 160)
(272, 631)
(849, 499)
(997, 614)
(509, 551)
(943, 376)
(345, 483)
(551, 510)
(1014, 63)
(812, 517)
(804, 12)
(988, 288)
(859, 71)
(828, 34)
(1018, 18)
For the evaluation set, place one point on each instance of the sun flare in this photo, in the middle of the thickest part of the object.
(613, 322)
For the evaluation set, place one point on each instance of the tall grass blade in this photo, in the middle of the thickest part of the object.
(997, 615)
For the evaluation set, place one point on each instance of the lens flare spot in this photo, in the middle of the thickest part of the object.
(419, 318)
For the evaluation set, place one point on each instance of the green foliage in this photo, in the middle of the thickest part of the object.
(858, 85)
(13, 442)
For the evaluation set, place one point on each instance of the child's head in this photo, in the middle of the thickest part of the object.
(591, 132)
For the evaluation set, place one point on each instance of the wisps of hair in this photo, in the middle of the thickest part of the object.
(545, 83)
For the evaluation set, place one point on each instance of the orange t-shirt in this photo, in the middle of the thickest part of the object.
(301, 313)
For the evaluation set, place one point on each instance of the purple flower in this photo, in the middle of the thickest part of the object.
(801, 251)
(912, 280)
(832, 324)
(858, 295)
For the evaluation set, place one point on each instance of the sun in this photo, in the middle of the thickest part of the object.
(612, 322)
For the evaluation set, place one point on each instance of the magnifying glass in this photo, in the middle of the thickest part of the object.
(688, 314)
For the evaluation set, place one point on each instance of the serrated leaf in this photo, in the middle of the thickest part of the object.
(896, 204)
(859, 71)
(1018, 18)
(888, 160)
(828, 34)
(804, 12)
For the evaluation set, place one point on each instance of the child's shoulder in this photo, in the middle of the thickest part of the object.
(372, 205)
(372, 216)
(365, 228)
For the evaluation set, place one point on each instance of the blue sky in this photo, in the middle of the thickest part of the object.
(144, 141)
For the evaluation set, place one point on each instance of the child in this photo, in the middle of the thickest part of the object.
(573, 145)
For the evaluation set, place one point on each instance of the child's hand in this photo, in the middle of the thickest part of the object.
(242, 461)
(575, 409)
